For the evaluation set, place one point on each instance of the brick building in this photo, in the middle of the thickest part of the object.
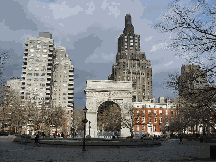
(153, 118)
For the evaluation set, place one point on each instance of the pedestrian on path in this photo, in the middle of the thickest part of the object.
(180, 139)
(36, 139)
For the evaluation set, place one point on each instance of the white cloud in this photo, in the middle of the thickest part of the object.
(62, 11)
(100, 58)
(169, 63)
(104, 4)
(158, 46)
(108, 57)
(153, 48)
(91, 8)
(149, 38)
(114, 11)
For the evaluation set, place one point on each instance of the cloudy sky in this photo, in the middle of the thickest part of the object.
(89, 30)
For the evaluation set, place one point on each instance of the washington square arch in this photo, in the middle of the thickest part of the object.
(102, 93)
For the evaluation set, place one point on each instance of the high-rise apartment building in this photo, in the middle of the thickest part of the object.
(191, 78)
(63, 79)
(131, 64)
(47, 73)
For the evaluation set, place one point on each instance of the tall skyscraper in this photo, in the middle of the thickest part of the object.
(63, 79)
(47, 73)
(191, 78)
(131, 64)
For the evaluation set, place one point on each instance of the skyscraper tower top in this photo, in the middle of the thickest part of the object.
(129, 28)
(131, 64)
(45, 34)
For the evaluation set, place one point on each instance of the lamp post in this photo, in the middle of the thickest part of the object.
(89, 128)
(84, 121)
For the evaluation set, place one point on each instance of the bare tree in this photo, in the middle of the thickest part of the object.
(110, 118)
(59, 117)
(196, 102)
(8, 96)
(129, 117)
(192, 29)
(78, 116)
(193, 26)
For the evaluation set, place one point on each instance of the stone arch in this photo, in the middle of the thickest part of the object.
(101, 91)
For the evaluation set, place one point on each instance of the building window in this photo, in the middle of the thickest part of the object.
(42, 79)
(42, 85)
(149, 112)
(161, 120)
(35, 79)
(155, 112)
(149, 120)
(160, 112)
(137, 111)
(29, 74)
(160, 128)
(172, 112)
(137, 128)
(143, 127)
(155, 120)
(155, 128)
(143, 111)
(143, 120)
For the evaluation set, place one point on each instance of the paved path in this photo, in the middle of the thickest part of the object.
(170, 150)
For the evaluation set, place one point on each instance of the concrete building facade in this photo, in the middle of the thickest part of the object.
(131, 64)
(47, 73)
(63, 79)
(48, 76)
(37, 69)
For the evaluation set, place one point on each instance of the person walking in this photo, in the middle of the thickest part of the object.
(180, 139)
(36, 139)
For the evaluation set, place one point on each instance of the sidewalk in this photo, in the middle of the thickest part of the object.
(204, 149)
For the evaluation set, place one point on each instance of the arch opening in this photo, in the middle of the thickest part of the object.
(109, 119)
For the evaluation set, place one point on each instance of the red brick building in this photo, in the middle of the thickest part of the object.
(153, 118)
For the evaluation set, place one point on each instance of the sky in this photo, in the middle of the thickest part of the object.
(89, 30)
